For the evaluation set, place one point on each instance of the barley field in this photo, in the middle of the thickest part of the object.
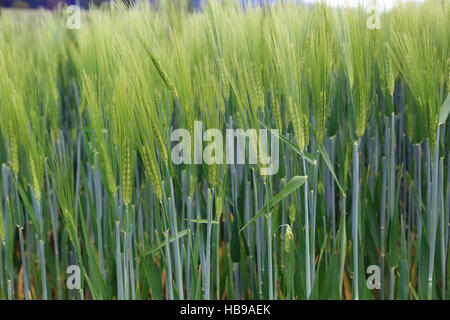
(95, 204)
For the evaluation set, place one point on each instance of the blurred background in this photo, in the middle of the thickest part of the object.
(52, 4)
(48, 4)
(383, 5)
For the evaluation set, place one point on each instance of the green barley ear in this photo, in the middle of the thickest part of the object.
(218, 94)
(110, 177)
(71, 226)
(320, 71)
(156, 132)
(362, 102)
(409, 122)
(292, 214)
(259, 94)
(321, 125)
(390, 76)
(213, 175)
(254, 88)
(152, 170)
(297, 123)
(162, 73)
(305, 49)
(357, 53)
(448, 73)
(36, 172)
(13, 151)
(163, 113)
(192, 185)
(126, 172)
(219, 206)
(239, 122)
(305, 125)
(276, 109)
(420, 56)
(288, 239)
(223, 79)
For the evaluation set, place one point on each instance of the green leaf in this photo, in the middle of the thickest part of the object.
(445, 110)
(152, 275)
(343, 254)
(235, 248)
(316, 285)
(293, 184)
(393, 254)
(203, 221)
(333, 121)
(161, 245)
(10, 238)
(404, 276)
(423, 264)
(97, 284)
(26, 202)
(302, 154)
(2, 227)
(326, 158)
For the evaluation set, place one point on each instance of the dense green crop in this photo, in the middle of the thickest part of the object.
(89, 179)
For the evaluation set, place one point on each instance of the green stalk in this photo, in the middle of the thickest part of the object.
(174, 226)
(391, 186)
(54, 223)
(333, 201)
(391, 283)
(169, 265)
(313, 218)
(99, 212)
(249, 231)
(442, 224)
(2, 280)
(269, 241)
(118, 262)
(434, 215)
(189, 246)
(307, 249)
(258, 237)
(208, 244)
(218, 259)
(9, 269)
(37, 210)
(130, 234)
(391, 197)
(418, 183)
(355, 230)
(126, 256)
(383, 227)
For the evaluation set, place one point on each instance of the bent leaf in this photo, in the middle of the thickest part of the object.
(293, 184)
(445, 110)
(161, 245)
